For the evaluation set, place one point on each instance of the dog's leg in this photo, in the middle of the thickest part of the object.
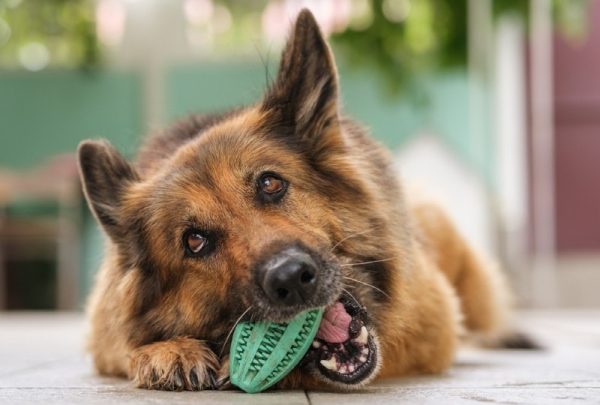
(481, 288)
(418, 331)
(485, 298)
(486, 302)
(177, 364)
(483, 293)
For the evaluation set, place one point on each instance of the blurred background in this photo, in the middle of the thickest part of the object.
(491, 106)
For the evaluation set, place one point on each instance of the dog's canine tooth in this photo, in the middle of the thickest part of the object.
(365, 351)
(363, 358)
(330, 364)
(363, 338)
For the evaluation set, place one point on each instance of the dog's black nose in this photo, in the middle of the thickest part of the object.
(289, 278)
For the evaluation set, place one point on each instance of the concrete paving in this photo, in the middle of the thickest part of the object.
(42, 360)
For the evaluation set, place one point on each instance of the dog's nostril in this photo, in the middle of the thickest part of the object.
(306, 277)
(282, 293)
(289, 278)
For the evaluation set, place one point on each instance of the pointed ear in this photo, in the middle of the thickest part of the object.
(304, 96)
(105, 175)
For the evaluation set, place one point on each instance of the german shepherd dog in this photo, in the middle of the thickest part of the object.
(263, 212)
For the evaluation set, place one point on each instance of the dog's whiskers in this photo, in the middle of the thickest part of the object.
(232, 328)
(348, 237)
(351, 296)
(367, 284)
(370, 262)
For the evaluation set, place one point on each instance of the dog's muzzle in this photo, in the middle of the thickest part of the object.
(289, 278)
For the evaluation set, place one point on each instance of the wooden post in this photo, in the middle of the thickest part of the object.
(543, 278)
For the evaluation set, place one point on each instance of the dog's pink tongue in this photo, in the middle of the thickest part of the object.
(334, 325)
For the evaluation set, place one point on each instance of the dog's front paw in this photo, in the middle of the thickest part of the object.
(176, 364)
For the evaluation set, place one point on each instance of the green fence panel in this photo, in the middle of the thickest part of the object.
(442, 108)
(50, 112)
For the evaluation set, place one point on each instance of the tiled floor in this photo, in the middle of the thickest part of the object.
(41, 361)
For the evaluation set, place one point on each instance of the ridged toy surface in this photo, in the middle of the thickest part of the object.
(262, 353)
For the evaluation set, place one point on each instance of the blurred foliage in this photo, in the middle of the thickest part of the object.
(399, 39)
(38, 33)
(404, 38)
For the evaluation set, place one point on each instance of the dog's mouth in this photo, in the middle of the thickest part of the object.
(344, 350)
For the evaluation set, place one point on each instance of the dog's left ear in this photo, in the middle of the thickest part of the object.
(304, 97)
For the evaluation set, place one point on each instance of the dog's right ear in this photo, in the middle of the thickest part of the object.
(105, 175)
(303, 99)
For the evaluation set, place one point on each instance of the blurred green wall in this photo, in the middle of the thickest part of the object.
(440, 107)
(49, 112)
(45, 113)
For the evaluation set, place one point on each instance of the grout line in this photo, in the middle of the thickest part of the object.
(307, 397)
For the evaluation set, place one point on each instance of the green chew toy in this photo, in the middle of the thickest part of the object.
(262, 353)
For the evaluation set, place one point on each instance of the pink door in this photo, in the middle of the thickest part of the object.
(577, 132)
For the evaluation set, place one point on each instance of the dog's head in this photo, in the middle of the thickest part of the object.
(261, 216)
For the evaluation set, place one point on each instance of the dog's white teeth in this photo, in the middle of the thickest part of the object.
(330, 364)
(363, 338)
(351, 368)
(343, 370)
(363, 358)
(365, 351)
(316, 344)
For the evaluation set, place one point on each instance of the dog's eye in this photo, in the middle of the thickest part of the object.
(195, 242)
(271, 186)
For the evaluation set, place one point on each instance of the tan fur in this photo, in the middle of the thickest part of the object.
(164, 320)
(180, 363)
(480, 285)
(420, 334)
(107, 342)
